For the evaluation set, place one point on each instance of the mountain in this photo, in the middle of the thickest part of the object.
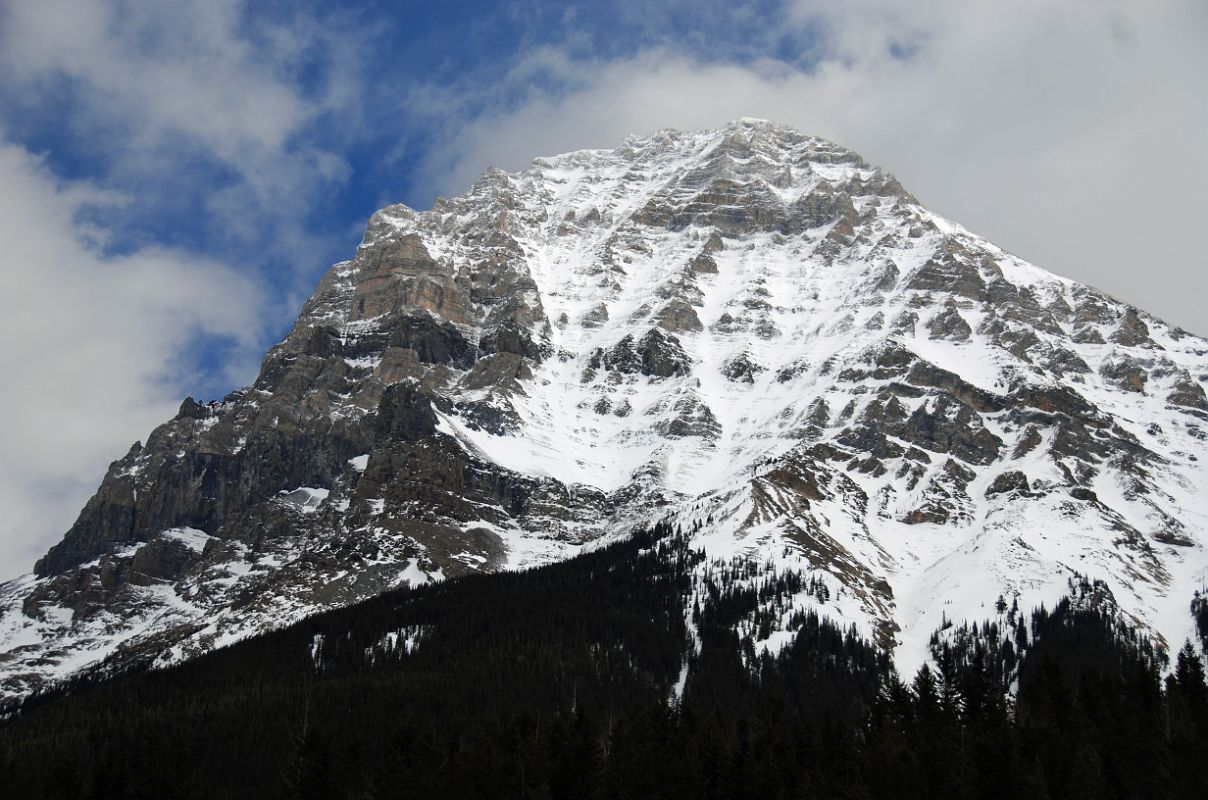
(748, 333)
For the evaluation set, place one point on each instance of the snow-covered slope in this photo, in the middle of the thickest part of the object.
(748, 330)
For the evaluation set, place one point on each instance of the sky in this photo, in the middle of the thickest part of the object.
(175, 176)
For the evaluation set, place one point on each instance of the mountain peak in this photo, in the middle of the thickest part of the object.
(749, 332)
(746, 137)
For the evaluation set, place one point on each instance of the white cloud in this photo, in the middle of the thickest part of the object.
(168, 69)
(174, 108)
(1068, 132)
(178, 96)
(87, 339)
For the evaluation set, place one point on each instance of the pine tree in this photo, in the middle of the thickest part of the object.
(1086, 775)
(1189, 678)
(1187, 709)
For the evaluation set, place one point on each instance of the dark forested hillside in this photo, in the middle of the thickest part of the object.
(569, 681)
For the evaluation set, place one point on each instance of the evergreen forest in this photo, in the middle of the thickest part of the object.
(631, 671)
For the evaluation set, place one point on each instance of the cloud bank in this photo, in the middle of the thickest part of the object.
(149, 244)
(92, 341)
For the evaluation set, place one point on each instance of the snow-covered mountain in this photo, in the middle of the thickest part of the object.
(749, 331)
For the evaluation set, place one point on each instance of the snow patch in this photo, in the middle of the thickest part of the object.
(304, 499)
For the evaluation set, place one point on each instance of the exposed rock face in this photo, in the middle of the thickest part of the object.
(750, 331)
(1012, 481)
(742, 368)
(679, 317)
(949, 324)
(950, 275)
(1189, 394)
(656, 355)
(596, 317)
(1124, 373)
(1132, 331)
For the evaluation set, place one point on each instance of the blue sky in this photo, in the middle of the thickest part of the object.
(175, 176)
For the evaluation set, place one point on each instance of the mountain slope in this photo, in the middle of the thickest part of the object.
(748, 331)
